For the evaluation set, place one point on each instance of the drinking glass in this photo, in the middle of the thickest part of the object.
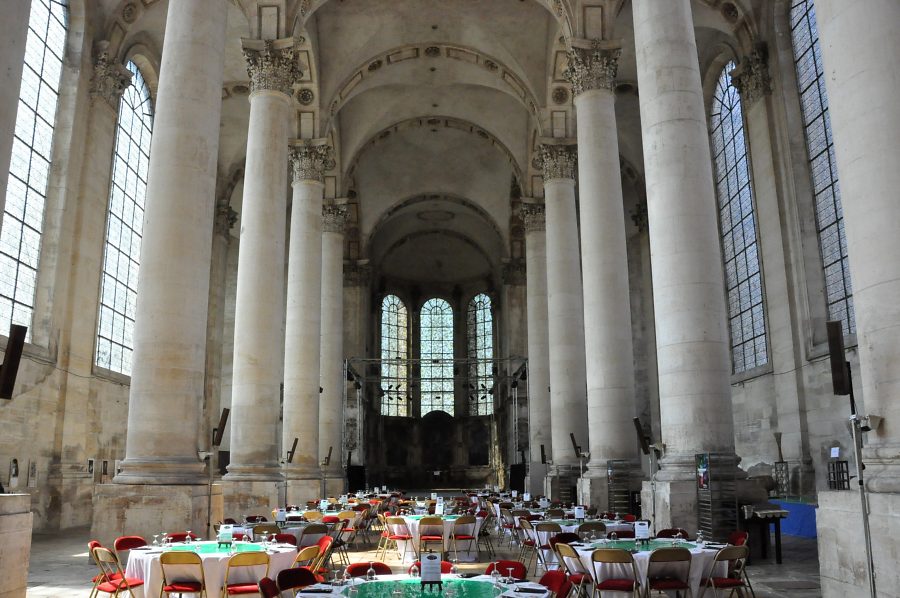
(187, 537)
(414, 571)
(156, 539)
(495, 575)
(510, 577)
(370, 572)
(454, 568)
(613, 536)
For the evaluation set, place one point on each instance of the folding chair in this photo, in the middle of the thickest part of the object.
(570, 561)
(736, 578)
(241, 560)
(464, 529)
(175, 583)
(662, 576)
(431, 531)
(604, 583)
(114, 581)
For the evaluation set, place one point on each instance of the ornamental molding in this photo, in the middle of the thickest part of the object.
(272, 64)
(334, 218)
(533, 217)
(310, 161)
(557, 161)
(592, 65)
(110, 79)
(751, 76)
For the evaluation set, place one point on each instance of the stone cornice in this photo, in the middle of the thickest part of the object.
(272, 64)
(592, 65)
(557, 161)
(310, 161)
(110, 79)
(334, 218)
(751, 76)
(533, 217)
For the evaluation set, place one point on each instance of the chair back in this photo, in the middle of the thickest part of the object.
(735, 556)
(306, 557)
(547, 527)
(611, 555)
(621, 534)
(555, 513)
(518, 569)
(431, 526)
(180, 536)
(597, 527)
(564, 538)
(245, 559)
(312, 515)
(557, 582)
(313, 529)
(266, 529)
(326, 545)
(360, 569)
(286, 539)
(738, 538)
(109, 564)
(295, 577)
(268, 588)
(181, 559)
(663, 558)
(569, 558)
(398, 527)
(128, 542)
(446, 566)
(255, 519)
(348, 515)
(672, 532)
(670, 555)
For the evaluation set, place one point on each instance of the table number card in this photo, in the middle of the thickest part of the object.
(431, 569)
(323, 505)
(434, 496)
(439, 508)
(544, 503)
(579, 512)
(642, 530)
(280, 516)
(226, 533)
(515, 493)
(526, 497)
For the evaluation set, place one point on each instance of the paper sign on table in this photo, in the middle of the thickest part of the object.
(323, 505)
(226, 532)
(835, 452)
(641, 530)
(579, 512)
(515, 493)
(280, 516)
(434, 496)
(439, 508)
(527, 496)
(431, 568)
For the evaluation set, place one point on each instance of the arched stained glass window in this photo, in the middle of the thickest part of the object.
(124, 226)
(480, 327)
(394, 357)
(436, 354)
(822, 164)
(743, 278)
(29, 168)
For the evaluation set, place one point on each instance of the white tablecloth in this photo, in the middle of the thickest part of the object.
(544, 537)
(144, 564)
(467, 554)
(701, 560)
(508, 589)
(296, 530)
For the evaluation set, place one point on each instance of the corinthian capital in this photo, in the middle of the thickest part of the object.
(310, 161)
(557, 161)
(334, 218)
(110, 79)
(533, 217)
(271, 64)
(751, 76)
(592, 65)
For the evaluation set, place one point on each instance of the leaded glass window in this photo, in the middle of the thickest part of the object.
(124, 225)
(436, 354)
(29, 168)
(480, 326)
(394, 357)
(743, 278)
(820, 152)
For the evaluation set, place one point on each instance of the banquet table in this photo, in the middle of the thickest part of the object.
(144, 565)
(239, 531)
(701, 560)
(571, 526)
(466, 554)
(404, 586)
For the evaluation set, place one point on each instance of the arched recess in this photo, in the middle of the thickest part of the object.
(145, 55)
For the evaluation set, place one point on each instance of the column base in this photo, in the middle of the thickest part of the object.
(249, 497)
(185, 471)
(534, 481)
(670, 504)
(882, 468)
(561, 481)
(145, 510)
(72, 489)
(16, 521)
(593, 488)
(253, 473)
(301, 490)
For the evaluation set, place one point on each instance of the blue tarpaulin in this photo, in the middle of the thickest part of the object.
(801, 521)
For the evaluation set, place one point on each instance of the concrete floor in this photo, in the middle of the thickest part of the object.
(60, 567)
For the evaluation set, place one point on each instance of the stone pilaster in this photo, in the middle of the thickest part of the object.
(604, 265)
(565, 310)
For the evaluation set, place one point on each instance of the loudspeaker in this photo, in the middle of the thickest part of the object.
(840, 378)
(543, 456)
(356, 477)
(11, 359)
(517, 477)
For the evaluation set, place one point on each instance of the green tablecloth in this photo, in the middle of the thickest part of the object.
(412, 588)
(215, 548)
(633, 545)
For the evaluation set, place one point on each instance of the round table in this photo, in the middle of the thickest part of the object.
(384, 586)
(467, 554)
(144, 564)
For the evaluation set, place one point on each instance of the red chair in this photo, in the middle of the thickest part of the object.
(330, 519)
(100, 577)
(669, 580)
(245, 560)
(737, 578)
(286, 539)
(114, 581)
(183, 562)
(672, 532)
(515, 568)
(445, 567)
(229, 521)
(557, 582)
(180, 536)
(360, 569)
(128, 542)
(738, 538)
(629, 518)
(326, 546)
(620, 561)
(295, 578)
(268, 588)
(624, 534)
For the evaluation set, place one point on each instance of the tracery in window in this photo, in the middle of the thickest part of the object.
(124, 226)
(823, 167)
(480, 327)
(394, 357)
(737, 223)
(436, 354)
(29, 168)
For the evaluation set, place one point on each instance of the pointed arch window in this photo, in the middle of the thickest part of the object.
(737, 223)
(480, 334)
(29, 168)
(822, 164)
(124, 226)
(436, 354)
(394, 357)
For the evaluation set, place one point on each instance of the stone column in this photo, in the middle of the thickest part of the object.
(357, 292)
(332, 348)
(688, 286)
(304, 313)
(538, 345)
(13, 31)
(259, 303)
(170, 328)
(166, 392)
(604, 264)
(565, 312)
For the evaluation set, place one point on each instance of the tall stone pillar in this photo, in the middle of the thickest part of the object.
(688, 286)
(164, 403)
(13, 32)
(304, 314)
(538, 345)
(259, 302)
(860, 51)
(604, 264)
(565, 312)
(332, 348)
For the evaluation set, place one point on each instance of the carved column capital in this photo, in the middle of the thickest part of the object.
(639, 215)
(271, 64)
(225, 217)
(751, 76)
(334, 218)
(110, 79)
(593, 66)
(311, 162)
(533, 217)
(557, 161)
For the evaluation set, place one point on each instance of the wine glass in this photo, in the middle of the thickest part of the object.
(495, 574)
(613, 536)
(187, 537)
(700, 541)
(370, 572)
(454, 568)
(156, 539)
(414, 571)
(510, 577)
